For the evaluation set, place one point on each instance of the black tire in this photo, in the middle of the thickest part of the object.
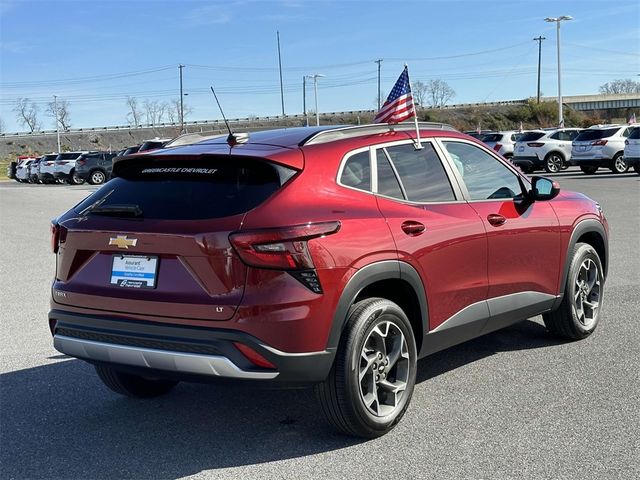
(342, 395)
(574, 322)
(553, 162)
(636, 167)
(619, 164)
(588, 169)
(97, 177)
(133, 385)
(74, 179)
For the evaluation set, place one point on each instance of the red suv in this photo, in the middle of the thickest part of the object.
(335, 256)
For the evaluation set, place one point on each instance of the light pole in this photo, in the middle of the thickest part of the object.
(557, 20)
(379, 62)
(180, 67)
(55, 107)
(304, 100)
(315, 77)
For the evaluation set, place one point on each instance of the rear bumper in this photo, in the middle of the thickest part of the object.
(632, 161)
(61, 175)
(527, 162)
(179, 352)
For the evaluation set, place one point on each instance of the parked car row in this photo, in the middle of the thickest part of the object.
(74, 168)
(611, 146)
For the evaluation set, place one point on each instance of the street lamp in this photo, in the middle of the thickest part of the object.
(315, 77)
(557, 20)
(55, 107)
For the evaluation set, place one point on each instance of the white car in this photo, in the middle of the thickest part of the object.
(632, 149)
(601, 146)
(545, 149)
(502, 142)
(46, 168)
(65, 166)
(22, 170)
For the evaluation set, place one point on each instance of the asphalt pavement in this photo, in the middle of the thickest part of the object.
(514, 404)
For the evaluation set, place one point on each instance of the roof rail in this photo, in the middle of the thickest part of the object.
(341, 133)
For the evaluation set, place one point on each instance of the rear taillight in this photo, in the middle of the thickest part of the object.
(253, 356)
(284, 248)
(80, 162)
(599, 143)
(497, 147)
(55, 236)
(536, 144)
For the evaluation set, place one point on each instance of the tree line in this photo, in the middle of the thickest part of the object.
(433, 93)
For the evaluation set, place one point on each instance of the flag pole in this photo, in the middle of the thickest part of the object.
(418, 145)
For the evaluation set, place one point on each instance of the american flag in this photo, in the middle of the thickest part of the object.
(399, 105)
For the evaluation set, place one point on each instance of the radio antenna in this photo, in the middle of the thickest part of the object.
(232, 139)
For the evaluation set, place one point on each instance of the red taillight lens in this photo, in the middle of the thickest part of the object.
(280, 248)
(535, 144)
(253, 356)
(497, 147)
(55, 236)
(599, 142)
(80, 162)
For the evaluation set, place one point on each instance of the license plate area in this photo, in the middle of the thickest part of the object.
(134, 271)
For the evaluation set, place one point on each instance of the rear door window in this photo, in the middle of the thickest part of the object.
(185, 190)
(388, 184)
(422, 176)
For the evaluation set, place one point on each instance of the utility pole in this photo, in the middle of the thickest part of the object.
(379, 61)
(280, 67)
(539, 40)
(557, 22)
(55, 107)
(304, 100)
(180, 67)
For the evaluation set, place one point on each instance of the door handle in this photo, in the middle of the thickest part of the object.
(412, 228)
(495, 219)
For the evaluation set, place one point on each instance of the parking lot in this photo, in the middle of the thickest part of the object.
(514, 404)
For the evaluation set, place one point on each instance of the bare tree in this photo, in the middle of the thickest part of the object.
(620, 86)
(62, 114)
(419, 92)
(439, 93)
(27, 113)
(173, 110)
(154, 111)
(134, 114)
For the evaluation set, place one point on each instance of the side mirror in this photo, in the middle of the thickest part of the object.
(543, 188)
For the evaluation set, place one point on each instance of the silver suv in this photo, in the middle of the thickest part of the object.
(601, 146)
(551, 151)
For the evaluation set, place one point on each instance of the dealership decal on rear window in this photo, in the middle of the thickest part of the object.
(205, 171)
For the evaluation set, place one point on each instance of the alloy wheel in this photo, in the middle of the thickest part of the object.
(620, 164)
(554, 163)
(586, 295)
(97, 178)
(384, 369)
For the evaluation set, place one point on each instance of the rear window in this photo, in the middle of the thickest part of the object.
(531, 136)
(186, 190)
(492, 137)
(150, 146)
(68, 156)
(596, 133)
(635, 133)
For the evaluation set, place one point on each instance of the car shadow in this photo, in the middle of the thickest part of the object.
(59, 421)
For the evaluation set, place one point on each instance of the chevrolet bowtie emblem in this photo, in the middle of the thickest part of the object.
(121, 241)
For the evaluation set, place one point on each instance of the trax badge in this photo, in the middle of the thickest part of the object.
(121, 241)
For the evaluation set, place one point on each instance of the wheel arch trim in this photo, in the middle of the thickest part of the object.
(368, 275)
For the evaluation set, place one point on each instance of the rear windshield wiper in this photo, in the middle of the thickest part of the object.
(117, 210)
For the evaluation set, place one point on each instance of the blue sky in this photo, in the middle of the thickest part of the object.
(94, 53)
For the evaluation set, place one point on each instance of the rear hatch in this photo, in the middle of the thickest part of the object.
(591, 141)
(155, 240)
(527, 144)
(65, 162)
